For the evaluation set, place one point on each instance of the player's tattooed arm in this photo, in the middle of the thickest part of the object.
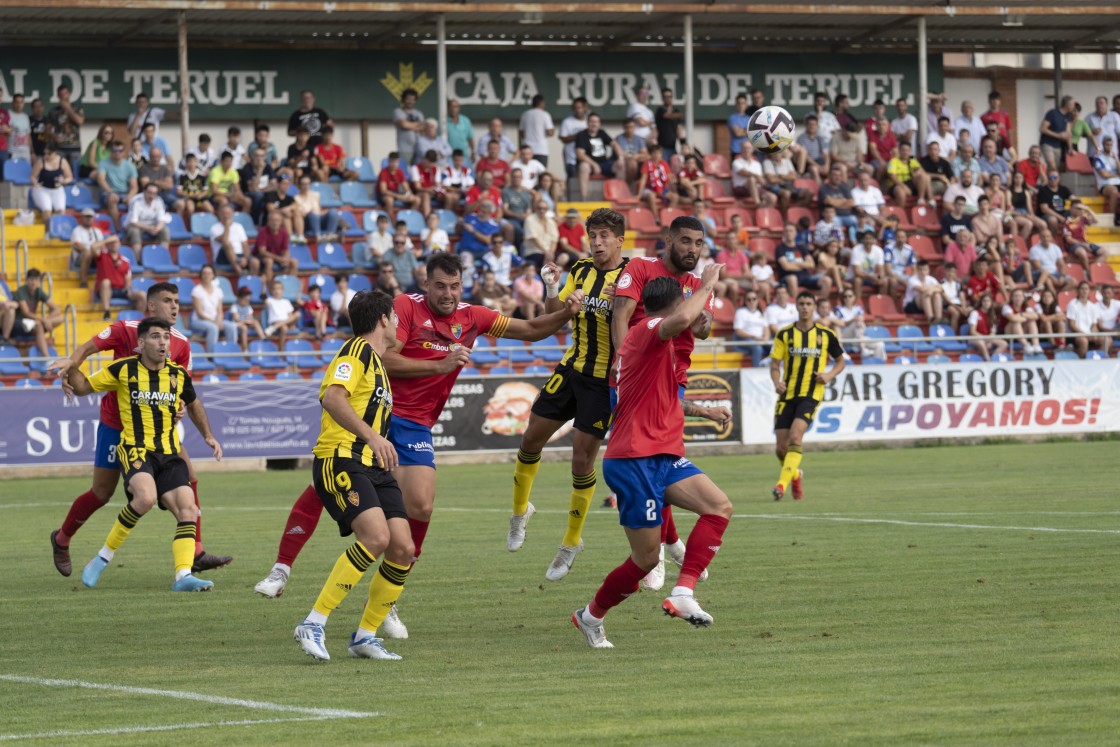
(716, 414)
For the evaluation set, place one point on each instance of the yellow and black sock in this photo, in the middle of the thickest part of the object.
(347, 572)
(523, 475)
(583, 490)
(384, 590)
(182, 548)
(126, 520)
(790, 465)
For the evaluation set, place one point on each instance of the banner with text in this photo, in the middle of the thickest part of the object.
(229, 84)
(869, 403)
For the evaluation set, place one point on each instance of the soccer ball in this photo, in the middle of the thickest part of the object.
(771, 129)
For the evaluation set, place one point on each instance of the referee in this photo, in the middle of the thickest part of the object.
(797, 368)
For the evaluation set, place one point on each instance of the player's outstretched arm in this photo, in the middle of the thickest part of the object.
(75, 383)
(197, 414)
(336, 401)
(541, 327)
(690, 309)
(62, 365)
(403, 367)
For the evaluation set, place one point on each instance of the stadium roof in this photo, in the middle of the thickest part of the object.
(842, 25)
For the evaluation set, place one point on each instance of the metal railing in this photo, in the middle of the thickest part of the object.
(21, 253)
(70, 329)
(3, 245)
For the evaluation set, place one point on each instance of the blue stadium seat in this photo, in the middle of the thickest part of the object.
(1095, 355)
(878, 332)
(502, 371)
(359, 283)
(198, 362)
(40, 367)
(369, 220)
(317, 375)
(327, 197)
(938, 358)
(970, 358)
(1066, 355)
(214, 378)
(414, 219)
(872, 360)
(142, 284)
(228, 296)
(292, 289)
(130, 315)
(201, 223)
(18, 171)
(265, 354)
(1003, 358)
(186, 285)
(514, 351)
(538, 371)
(288, 376)
(1035, 357)
(333, 256)
(192, 257)
(302, 361)
(252, 377)
(904, 360)
(61, 226)
(908, 331)
(355, 194)
(178, 229)
(253, 283)
(448, 221)
(470, 371)
(11, 364)
(302, 253)
(127, 253)
(78, 197)
(157, 259)
(483, 353)
(350, 226)
(330, 346)
(326, 282)
(232, 363)
(364, 168)
(943, 331)
(26, 383)
(246, 221)
(556, 355)
(361, 255)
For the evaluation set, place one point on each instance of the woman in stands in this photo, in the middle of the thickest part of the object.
(1020, 322)
(1051, 319)
(97, 152)
(49, 176)
(543, 192)
(982, 324)
(311, 217)
(1022, 208)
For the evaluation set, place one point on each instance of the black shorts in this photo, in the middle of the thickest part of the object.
(789, 410)
(168, 470)
(347, 488)
(569, 394)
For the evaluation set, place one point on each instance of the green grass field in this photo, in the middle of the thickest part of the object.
(961, 595)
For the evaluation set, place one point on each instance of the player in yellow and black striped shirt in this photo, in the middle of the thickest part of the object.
(149, 390)
(577, 388)
(797, 368)
(352, 475)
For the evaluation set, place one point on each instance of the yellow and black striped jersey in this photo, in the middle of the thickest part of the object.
(359, 369)
(592, 349)
(804, 355)
(148, 401)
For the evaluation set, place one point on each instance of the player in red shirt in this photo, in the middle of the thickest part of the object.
(645, 463)
(120, 337)
(686, 239)
(435, 334)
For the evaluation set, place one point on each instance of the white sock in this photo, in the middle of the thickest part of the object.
(362, 633)
(184, 572)
(106, 554)
(285, 569)
(316, 617)
(680, 591)
(589, 618)
(661, 552)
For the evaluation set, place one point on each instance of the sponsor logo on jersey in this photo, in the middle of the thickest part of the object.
(154, 399)
(805, 352)
(343, 371)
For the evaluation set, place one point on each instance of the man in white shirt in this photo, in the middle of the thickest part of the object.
(924, 294)
(747, 179)
(86, 241)
(380, 239)
(535, 128)
(572, 125)
(507, 150)
(143, 115)
(782, 312)
(750, 325)
(228, 240)
(1083, 314)
(867, 266)
(1104, 122)
(530, 165)
(867, 197)
(944, 137)
(1106, 170)
(965, 188)
(1048, 264)
(642, 115)
(905, 125)
(826, 120)
(147, 219)
(1110, 315)
(969, 121)
(501, 260)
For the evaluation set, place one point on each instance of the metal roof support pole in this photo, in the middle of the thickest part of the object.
(689, 104)
(184, 86)
(1057, 76)
(922, 103)
(441, 70)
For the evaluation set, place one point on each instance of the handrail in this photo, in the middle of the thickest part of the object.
(3, 246)
(70, 328)
(48, 284)
(21, 268)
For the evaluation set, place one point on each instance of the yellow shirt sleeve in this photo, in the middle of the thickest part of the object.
(104, 380)
(778, 350)
(348, 371)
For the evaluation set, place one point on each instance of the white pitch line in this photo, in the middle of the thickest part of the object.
(146, 729)
(944, 525)
(261, 705)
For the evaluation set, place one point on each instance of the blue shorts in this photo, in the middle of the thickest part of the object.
(413, 443)
(614, 395)
(105, 449)
(640, 485)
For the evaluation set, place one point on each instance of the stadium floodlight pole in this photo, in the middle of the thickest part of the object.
(689, 108)
(184, 86)
(441, 70)
(923, 84)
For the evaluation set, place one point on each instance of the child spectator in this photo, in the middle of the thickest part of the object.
(1077, 245)
(828, 228)
(433, 238)
(956, 307)
(315, 312)
(763, 275)
(528, 292)
(340, 300)
(244, 317)
(332, 159)
(282, 316)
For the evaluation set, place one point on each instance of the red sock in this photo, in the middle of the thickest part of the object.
(669, 534)
(419, 530)
(302, 520)
(83, 507)
(619, 584)
(198, 521)
(703, 542)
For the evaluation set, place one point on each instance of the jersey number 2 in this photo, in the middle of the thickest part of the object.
(651, 510)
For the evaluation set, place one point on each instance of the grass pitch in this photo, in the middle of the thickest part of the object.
(961, 595)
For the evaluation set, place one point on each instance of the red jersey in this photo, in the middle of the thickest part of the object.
(426, 336)
(477, 193)
(977, 285)
(116, 272)
(884, 143)
(648, 419)
(573, 233)
(498, 168)
(426, 176)
(1001, 118)
(657, 176)
(630, 283)
(332, 155)
(1034, 174)
(121, 338)
(690, 174)
(391, 181)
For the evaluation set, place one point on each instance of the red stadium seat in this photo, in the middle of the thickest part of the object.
(884, 307)
(1102, 274)
(769, 219)
(618, 192)
(810, 185)
(715, 164)
(746, 215)
(766, 246)
(642, 221)
(713, 192)
(795, 214)
(925, 220)
(669, 214)
(1075, 271)
(1078, 163)
(1020, 242)
(923, 249)
(904, 221)
(1065, 297)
